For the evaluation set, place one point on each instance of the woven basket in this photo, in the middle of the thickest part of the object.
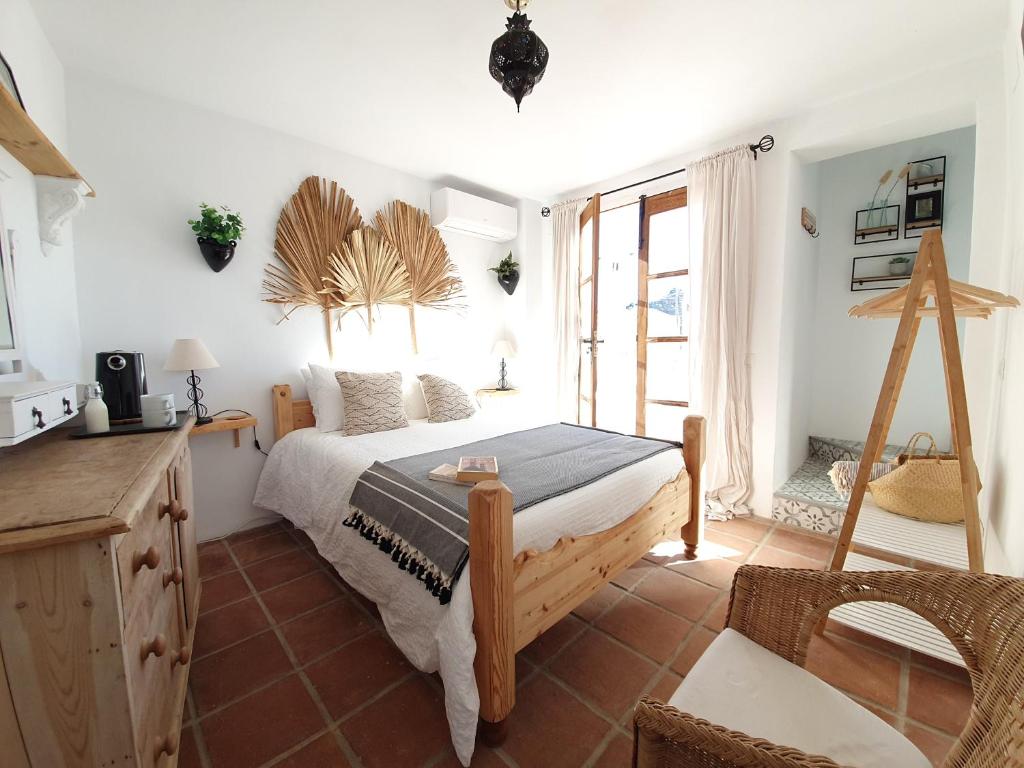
(922, 487)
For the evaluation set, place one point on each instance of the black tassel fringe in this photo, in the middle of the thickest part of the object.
(401, 554)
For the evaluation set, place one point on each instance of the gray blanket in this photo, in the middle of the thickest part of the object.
(424, 524)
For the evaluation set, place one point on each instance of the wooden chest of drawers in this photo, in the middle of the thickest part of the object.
(99, 593)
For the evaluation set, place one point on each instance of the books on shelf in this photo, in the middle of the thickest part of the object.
(447, 473)
(474, 469)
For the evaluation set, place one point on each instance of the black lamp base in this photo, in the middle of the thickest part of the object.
(195, 395)
(502, 378)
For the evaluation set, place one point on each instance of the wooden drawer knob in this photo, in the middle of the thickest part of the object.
(172, 577)
(181, 656)
(150, 559)
(165, 745)
(175, 510)
(157, 646)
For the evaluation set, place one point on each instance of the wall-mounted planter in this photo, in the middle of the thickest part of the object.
(509, 282)
(217, 255)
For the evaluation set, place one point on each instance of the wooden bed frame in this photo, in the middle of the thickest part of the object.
(518, 597)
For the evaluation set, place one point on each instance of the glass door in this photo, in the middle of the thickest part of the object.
(634, 291)
(590, 242)
(663, 319)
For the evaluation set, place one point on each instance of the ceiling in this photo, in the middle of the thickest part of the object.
(405, 83)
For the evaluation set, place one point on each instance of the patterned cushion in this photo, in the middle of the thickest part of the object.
(446, 401)
(373, 402)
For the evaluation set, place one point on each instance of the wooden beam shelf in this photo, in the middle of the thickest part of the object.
(225, 424)
(20, 136)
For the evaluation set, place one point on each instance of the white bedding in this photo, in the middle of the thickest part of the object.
(309, 478)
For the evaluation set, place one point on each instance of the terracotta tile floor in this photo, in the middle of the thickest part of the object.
(292, 669)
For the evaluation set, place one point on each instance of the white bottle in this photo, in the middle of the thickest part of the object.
(97, 418)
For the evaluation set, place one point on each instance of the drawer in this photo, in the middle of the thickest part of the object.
(25, 415)
(63, 404)
(145, 559)
(157, 664)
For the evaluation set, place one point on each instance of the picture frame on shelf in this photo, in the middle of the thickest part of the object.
(924, 211)
(8, 82)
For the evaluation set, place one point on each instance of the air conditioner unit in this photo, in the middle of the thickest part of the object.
(455, 211)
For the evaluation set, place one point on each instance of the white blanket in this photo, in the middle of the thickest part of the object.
(309, 478)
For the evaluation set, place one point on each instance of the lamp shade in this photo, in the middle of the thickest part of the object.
(504, 348)
(190, 355)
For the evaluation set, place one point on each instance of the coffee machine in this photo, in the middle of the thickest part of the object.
(123, 378)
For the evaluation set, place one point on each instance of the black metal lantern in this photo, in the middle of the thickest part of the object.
(518, 58)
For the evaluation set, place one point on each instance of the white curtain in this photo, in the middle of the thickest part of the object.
(566, 233)
(721, 201)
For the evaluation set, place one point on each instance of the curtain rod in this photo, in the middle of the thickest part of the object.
(764, 145)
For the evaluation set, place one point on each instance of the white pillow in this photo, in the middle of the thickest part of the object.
(325, 394)
(307, 379)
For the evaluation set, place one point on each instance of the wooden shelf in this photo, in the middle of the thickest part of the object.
(497, 392)
(936, 179)
(881, 278)
(887, 229)
(20, 136)
(225, 424)
(925, 224)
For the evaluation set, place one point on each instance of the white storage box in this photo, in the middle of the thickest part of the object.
(29, 408)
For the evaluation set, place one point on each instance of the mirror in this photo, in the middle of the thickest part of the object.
(8, 323)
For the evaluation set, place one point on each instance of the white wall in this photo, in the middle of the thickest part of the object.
(849, 355)
(1001, 265)
(46, 300)
(796, 344)
(142, 281)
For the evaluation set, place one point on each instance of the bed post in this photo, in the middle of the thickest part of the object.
(694, 439)
(283, 423)
(490, 568)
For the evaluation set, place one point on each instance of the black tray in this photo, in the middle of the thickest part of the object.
(129, 429)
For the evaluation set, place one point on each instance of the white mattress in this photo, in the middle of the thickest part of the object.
(309, 478)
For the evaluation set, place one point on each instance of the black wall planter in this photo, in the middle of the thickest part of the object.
(217, 256)
(509, 282)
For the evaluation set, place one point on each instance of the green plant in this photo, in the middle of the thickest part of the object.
(899, 260)
(217, 226)
(506, 266)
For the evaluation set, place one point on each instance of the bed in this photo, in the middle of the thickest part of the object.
(526, 575)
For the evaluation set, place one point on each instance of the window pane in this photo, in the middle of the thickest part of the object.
(586, 250)
(586, 303)
(665, 421)
(668, 306)
(668, 366)
(669, 246)
(585, 377)
(617, 295)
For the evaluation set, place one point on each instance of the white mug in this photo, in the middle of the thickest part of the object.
(164, 418)
(158, 402)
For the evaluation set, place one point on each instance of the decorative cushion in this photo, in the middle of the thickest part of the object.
(373, 402)
(325, 395)
(446, 400)
(742, 686)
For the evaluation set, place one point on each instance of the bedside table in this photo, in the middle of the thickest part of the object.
(225, 424)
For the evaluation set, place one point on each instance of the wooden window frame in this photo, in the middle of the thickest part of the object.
(651, 206)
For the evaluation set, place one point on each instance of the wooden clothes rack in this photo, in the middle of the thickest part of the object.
(949, 299)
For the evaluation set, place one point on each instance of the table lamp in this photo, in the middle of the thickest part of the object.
(503, 348)
(192, 355)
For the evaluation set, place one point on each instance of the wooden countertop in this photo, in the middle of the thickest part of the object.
(53, 488)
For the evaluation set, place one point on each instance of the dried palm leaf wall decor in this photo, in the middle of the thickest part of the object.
(432, 276)
(367, 270)
(313, 224)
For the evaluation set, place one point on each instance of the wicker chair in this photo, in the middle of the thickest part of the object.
(778, 608)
